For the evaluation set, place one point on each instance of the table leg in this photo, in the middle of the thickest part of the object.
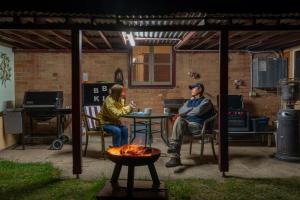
(164, 130)
(134, 131)
(269, 140)
(149, 133)
(23, 131)
(146, 133)
(31, 124)
(23, 141)
(261, 137)
(62, 123)
(58, 125)
(167, 130)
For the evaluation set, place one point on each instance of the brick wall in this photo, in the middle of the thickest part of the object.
(43, 71)
(52, 71)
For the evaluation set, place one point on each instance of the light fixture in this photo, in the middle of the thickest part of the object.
(131, 39)
(124, 37)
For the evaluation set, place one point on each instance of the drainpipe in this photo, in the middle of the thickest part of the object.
(251, 74)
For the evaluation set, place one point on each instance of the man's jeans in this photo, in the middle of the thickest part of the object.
(182, 128)
(119, 132)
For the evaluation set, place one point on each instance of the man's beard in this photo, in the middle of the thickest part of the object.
(197, 95)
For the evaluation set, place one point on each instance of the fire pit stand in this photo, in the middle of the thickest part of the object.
(119, 189)
(130, 177)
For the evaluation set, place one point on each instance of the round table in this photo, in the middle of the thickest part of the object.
(147, 120)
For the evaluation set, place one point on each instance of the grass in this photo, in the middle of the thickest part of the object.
(43, 181)
(235, 188)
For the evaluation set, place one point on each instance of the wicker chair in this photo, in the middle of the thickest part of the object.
(206, 133)
(93, 126)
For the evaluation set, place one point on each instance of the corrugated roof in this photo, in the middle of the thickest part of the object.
(152, 7)
(113, 39)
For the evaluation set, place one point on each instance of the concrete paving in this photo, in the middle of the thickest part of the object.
(245, 161)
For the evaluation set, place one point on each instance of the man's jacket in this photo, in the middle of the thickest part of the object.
(197, 110)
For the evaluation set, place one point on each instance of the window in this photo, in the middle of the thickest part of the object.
(151, 66)
(297, 64)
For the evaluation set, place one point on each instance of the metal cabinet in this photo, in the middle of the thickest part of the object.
(13, 121)
(266, 72)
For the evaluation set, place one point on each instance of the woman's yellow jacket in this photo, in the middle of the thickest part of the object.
(112, 111)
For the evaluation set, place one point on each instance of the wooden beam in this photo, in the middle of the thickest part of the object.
(70, 50)
(259, 40)
(186, 38)
(285, 38)
(47, 39)
(15, 40)
(29, 40)
(10, 43)
(85, 39)
(105, 39)
(204, 40)
(122, 27)
(243, 39)
(231, 35)
(288, 45)
(7, 44)
(58, 35)
(223, 103)
(76, 101)
(282, 43)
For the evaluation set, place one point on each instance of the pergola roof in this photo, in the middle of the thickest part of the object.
(181, 40)
(152, 7)
(187, 27)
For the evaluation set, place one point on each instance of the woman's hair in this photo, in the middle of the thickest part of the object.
(116, 91)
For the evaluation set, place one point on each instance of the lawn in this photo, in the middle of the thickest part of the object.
(43, 181)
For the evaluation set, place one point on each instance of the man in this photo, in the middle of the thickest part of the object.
(190, 121)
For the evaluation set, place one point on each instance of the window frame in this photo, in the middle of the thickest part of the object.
(294, 62)
(152, 83)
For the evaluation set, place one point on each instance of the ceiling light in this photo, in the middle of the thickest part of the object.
(131, 39)
(124, 37)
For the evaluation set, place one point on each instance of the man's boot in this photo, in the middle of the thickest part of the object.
(174, 148)
(173, 162)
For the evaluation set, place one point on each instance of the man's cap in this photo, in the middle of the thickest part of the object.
(198, 85)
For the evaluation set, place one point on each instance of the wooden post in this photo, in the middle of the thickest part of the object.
(223, 103)
(76, 101)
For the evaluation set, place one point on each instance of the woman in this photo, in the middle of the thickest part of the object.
(112, 110)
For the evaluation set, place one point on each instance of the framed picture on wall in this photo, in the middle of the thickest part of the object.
(95, 93)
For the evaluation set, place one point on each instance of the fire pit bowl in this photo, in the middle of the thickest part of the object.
(133, 155)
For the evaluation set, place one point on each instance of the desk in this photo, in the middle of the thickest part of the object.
(254, 133)
(148, 121)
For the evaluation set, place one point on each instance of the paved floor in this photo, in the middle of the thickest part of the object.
(245, 161)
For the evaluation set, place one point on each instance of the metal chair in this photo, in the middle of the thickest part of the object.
(93, 126)
(206, 132)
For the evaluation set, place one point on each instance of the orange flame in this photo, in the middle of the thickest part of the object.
(130, 150)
